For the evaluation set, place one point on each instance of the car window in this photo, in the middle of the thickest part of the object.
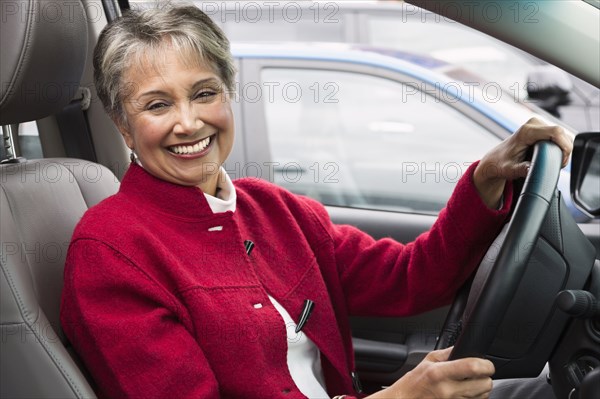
(359, 140)
(468, 48)
(29, 142)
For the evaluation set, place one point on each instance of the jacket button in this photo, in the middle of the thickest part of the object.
(286, 391)
(356, 382)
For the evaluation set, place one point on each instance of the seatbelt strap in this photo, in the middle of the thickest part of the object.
(124, 4)
(75, 130)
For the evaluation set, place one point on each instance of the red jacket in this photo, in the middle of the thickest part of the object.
(159, 302)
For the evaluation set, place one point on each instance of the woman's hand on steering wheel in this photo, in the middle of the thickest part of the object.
(436, 377)
(506, 161)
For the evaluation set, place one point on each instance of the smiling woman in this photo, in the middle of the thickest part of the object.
(186, 284)
(167, 90)
(178, 121)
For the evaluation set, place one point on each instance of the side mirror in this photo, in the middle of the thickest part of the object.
(585, 173)
(549, 88)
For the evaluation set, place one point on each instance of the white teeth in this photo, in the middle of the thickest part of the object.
(190, 149)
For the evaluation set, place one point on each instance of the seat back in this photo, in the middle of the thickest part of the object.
(44, 48)
(40, 203)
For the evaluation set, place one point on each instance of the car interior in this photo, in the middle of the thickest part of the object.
(533, 299)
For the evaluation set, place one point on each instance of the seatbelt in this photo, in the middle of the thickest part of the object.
(124, 4)
(72, 120)
(74, 128)
(113, 8)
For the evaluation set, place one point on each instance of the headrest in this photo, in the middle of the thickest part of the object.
(44, 47)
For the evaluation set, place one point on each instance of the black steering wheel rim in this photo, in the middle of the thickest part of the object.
(473, 319)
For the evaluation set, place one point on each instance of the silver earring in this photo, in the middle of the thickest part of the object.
(132, 156)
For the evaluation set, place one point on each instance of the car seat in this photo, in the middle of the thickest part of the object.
(44, 48)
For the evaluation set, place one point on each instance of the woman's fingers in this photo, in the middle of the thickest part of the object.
(467, 378)
(436, 377)
(506, 161)
(467, 368)
(536, 130)
(439, 356)
(474, 388)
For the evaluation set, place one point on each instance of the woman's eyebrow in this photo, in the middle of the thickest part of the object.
(152, 92)
(202, 82)
(195, 86)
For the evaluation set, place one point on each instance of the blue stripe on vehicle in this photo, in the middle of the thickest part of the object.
(405, 68)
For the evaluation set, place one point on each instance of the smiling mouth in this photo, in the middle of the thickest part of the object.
(192, 148)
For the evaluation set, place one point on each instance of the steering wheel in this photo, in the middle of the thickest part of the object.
(485, 298)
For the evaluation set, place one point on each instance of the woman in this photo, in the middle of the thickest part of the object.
(164, 294)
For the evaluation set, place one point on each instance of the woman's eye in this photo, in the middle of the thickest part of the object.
(206, 94)
(157, 106)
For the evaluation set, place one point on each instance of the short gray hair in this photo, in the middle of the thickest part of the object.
(138, 33)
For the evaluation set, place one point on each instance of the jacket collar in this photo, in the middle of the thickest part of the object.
(182, 202)
(226, 197)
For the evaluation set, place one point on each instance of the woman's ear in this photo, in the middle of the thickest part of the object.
(124, 130)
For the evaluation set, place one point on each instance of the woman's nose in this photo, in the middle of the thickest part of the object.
(188, 121)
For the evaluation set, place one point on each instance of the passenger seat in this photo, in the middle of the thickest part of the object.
(41, 201)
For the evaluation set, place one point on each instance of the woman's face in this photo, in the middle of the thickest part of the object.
(179, 120)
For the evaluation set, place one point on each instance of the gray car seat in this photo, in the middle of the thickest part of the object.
(44, 46)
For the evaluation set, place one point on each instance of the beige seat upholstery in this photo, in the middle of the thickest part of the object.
(40, 200)
(40, 203)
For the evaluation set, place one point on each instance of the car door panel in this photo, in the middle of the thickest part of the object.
(386, 348)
